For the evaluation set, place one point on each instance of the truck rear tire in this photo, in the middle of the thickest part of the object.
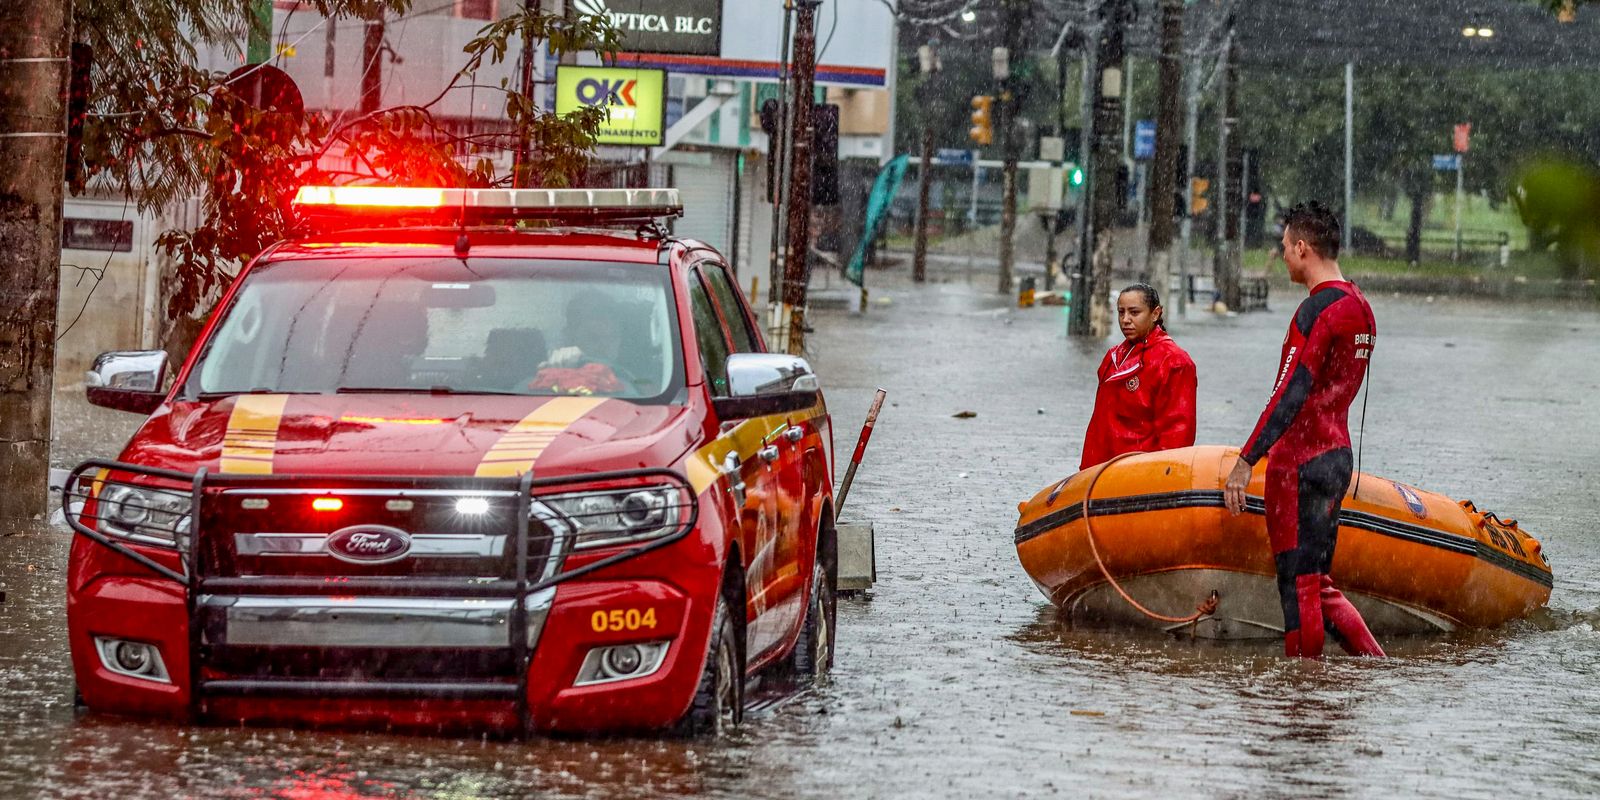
(813, 651)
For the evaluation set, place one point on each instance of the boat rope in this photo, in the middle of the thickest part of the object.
(1206, 607)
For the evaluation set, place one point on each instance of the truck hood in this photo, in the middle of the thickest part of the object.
(440, 435)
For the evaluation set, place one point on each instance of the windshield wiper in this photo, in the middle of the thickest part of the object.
(430, 390)
(215, 395)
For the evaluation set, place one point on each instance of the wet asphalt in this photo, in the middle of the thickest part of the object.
(954, 678)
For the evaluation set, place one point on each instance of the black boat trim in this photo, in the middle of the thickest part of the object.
(1212, 498)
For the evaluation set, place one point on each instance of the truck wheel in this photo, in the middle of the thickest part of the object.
(813, 652)
(719, 697)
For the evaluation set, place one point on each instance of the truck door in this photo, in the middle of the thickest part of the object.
(782, 447)
(748, 472)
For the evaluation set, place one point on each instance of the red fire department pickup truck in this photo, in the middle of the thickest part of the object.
(510, 460)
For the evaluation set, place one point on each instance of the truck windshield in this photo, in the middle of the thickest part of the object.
(487, 325)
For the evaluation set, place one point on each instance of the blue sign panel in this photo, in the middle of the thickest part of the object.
(1144, 139)
(1449, 163)
(953, 157)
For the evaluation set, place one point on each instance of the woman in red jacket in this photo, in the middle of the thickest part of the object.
(1147, 385)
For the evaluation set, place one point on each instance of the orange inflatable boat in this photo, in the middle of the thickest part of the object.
(1154, 523)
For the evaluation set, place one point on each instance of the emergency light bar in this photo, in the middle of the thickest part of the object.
(598, 205)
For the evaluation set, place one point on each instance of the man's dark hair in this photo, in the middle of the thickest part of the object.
(1316, 224)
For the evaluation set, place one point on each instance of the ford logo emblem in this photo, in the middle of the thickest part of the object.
(369, 544)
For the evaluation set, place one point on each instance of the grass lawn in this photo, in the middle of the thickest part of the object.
(1478, 220)
(1528, 265)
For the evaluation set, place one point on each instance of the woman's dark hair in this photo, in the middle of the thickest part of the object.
(1152, 298)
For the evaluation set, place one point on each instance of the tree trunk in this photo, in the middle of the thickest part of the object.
(796, 266)
(1169, 119)
(1420, 196)
(372, 66)
(34, 37)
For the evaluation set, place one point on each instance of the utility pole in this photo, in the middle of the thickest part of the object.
(796, 266)
(1224, 265)
(1107, 143)
(1349, 151)
(1083, 228)
(928, 62)
(1052, 225)
(372, 66)
(521, 172)
(1234, 231)
(1168, 118)
(1191, 135)
(34, 46)
(1013, 11)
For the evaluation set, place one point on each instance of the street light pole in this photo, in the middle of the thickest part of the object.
(1168, 114)
(1191, 134)
(1107, 145)
(928, 62)
(1349, 150)
(1013, 10)
(1225, 264)
(1078, 318)
(1461, 167)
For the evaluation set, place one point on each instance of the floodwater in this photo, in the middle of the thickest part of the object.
(954, 678)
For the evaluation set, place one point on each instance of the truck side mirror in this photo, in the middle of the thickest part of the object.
(767, 383)
(128, 380)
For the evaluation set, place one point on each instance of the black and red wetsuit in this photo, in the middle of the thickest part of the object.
(1305, 434)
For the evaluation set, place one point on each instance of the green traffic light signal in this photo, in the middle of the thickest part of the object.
(1077, 176)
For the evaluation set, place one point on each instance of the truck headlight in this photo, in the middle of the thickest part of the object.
(621, 516)
(145, 514)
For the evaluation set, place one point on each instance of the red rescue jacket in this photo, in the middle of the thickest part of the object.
(1145, 401)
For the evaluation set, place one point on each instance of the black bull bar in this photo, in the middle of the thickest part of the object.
(90, 481)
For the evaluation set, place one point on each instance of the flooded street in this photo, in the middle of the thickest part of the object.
(954, 678)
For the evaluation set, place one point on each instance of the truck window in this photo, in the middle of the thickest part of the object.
(710, 336)
(744, 339)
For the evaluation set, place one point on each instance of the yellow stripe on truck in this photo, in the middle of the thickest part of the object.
(252, 435)
(749, 436)
(519, 447)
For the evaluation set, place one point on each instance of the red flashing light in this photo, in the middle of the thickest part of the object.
(370, 196)
(327, 504)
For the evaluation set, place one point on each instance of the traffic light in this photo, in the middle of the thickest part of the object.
(1197, 191)
(982, 131)
(825, 154)
(1075, 178)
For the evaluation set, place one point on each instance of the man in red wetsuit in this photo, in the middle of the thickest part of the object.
(1305, 435)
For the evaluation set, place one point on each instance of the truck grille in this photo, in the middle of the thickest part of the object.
(277, 533)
